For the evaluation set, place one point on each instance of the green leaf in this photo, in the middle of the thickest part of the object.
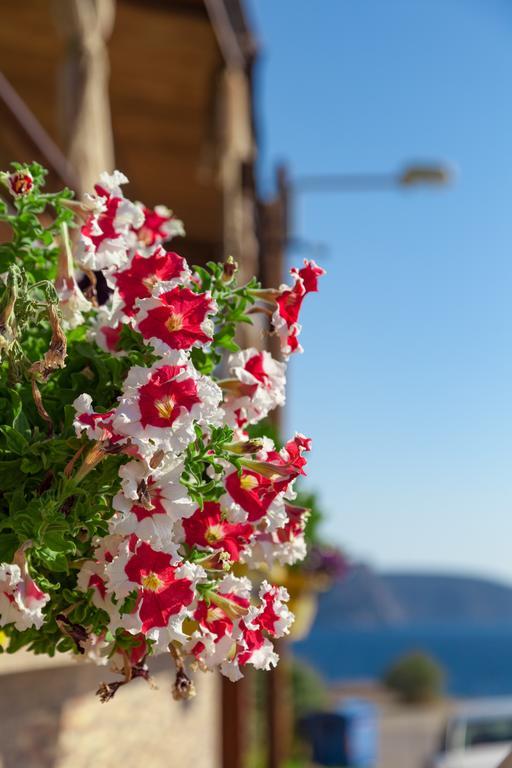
(9, 543)
(14, 440)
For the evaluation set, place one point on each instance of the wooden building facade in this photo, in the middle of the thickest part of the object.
(162, 90)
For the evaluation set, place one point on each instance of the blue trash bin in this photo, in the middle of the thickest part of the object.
(344, 738)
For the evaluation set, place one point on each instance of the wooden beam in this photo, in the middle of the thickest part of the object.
(232, 31)
(234, 722)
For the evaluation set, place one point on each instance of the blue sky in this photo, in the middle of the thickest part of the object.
(406, 381)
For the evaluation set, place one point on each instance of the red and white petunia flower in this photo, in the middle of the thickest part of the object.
(309, 275)
(261, 487)
(252, 492)
(284, 466)
(176, 319)
(21, 600)
(165, 591)
(160, 404)
(108, 337)
(107, 325)
(159, 226)
(97, 649)
(257, 387)
(285, 318)
(216, 617)
(272, 615)
(289, 462)
(251, 647)
(209, 529)
(150, 502)
(92, 574)
(97, 426)
(285, 545)
(139, 278)
(103, 241)
(72, 302)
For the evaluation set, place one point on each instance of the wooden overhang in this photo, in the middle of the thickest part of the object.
(166, 61)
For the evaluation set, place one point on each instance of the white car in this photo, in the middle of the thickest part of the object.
(476, 735)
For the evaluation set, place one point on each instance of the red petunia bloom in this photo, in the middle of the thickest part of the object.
(289, 302)
(215, 618)
(274, 616)
(252, 491)
(165, 395)
(160, 405)
(295, 523)
(207, 528)
(102, 226)
(256, 387)
(253, 641)
(97, 426)
(159, 225)
(162, 594)
(290, 458)
(103, 241)
(154, 505)
(143, 273)
(309, 275)
(177, 318)
(109, 337)
(286, 465)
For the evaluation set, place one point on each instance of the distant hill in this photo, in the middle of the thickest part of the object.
(361, 599)
(442, 598)
(365, 598)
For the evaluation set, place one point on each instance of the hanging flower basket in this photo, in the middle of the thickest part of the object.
(131, 490)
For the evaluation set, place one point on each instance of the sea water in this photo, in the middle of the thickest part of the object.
(477, 660)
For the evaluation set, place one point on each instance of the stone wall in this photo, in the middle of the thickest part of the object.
(50, 718)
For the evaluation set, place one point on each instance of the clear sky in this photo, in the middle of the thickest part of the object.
(406, 381)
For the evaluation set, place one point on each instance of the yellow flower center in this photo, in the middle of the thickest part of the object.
(213, 534)
(150, 281)
(214, 613)
(151, 582)
(165, 407)
(248, 482)
(145, 236)
(174, 323)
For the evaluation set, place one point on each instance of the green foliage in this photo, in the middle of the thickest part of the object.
(42, 501)
(232, 302)
(309, 499)
(202, 467)
(56, 489)
(33, 242)
(309, 690)
(415, 678)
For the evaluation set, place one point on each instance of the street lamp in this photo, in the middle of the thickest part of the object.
(411, 176)
(414, 175)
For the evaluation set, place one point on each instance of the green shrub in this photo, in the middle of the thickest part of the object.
(309, 691)
(415, 678)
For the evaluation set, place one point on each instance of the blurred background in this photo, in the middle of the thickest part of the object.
(373, 137)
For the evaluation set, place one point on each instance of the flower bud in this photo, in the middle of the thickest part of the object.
(245, 447)
(229, 269)
(20, 183)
